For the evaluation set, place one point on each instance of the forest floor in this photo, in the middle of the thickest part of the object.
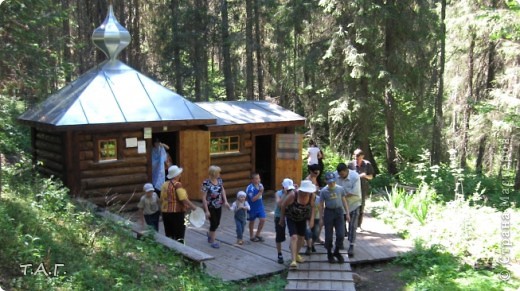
(382, 276)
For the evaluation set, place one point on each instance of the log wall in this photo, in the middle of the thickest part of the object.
(121, 180)
(236, 167)
(49, 153)
(109, 182)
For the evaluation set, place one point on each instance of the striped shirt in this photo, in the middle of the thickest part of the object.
(172, 195)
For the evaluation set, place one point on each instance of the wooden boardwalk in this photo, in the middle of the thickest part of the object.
(253, 259)
(317, 274)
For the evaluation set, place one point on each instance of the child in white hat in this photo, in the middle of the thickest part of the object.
(149, 207)
(240, 207)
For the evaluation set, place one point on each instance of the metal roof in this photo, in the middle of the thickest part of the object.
(114, 93)
(248, 112)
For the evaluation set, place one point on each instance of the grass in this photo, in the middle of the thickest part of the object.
(434, 268)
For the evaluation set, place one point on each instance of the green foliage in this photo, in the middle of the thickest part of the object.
(382, 181)
(332, 160)
(415, 205)
(448, 181)
(456, 223)
(29, 31)
(462, 242)
(434, 268)
(13, 137)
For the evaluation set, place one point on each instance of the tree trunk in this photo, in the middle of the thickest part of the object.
(438, 123)
(226, 55)
(258, 47)
(174, 7)
(363, 127)
(391, 156)
(199, 49)
(67, 56)
(135, 44)
(480, 156)
(372, 160)
(390, 104)
(249, 51)
(467, 104)
(489, 85)
(505, 155)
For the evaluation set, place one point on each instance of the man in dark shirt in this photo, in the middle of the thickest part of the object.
(366, 173)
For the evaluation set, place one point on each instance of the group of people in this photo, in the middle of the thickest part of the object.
(337, 206)
(173, 202)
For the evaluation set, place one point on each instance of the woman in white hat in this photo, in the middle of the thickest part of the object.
(174, 201)
(298, 210)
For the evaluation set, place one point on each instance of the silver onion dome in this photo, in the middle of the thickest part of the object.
(111, 37)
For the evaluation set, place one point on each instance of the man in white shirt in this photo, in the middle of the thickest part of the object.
(351, 182)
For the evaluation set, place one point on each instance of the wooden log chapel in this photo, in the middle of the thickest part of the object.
(96, 133)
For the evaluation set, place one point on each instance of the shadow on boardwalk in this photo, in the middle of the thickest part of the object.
(233, 262)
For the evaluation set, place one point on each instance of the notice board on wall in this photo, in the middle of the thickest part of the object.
(288, 146)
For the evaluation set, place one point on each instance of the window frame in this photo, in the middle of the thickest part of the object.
(228, 145)
(115, 157)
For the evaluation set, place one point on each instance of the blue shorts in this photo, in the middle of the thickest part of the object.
(256, 213)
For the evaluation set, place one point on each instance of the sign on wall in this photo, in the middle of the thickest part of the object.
(147, 132)
(288, 147)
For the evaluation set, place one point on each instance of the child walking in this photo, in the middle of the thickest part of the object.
(254, 192)
(240, 207)
(149, 207)
(288, 187)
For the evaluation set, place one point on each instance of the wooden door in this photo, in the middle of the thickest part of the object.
(194, 159)
(288, 158)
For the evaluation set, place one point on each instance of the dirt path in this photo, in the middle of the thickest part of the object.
(379, 276)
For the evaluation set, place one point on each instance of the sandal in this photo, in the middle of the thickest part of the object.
(293, 265)
(255, 239)
(215, 245)
(260, 238)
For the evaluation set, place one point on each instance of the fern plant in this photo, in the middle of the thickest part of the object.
(416, 205)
